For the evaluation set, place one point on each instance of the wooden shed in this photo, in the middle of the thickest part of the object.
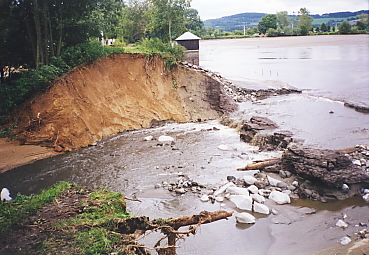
(192, 43)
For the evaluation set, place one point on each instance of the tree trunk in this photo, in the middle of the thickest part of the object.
(36, 18)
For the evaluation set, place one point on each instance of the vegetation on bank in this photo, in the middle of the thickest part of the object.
(67, 220)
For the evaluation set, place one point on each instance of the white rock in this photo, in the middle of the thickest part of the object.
(5, 195)
(366, 191)
(345, 240)
(242, 202)
(249, 180)
(258, 198)
(245, 218)
(165, 139)
(238, 191)
(223, 188)
(253, 189)
(295, 183)
(273, 182)
(148, 138)
(279, 197)
(341, 224)
(356, 162)
(288, 192)
(204, 198)
(366, 198)
(224, 147)
(219, 199)
(261, 208)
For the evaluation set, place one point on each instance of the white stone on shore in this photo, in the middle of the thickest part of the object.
(253, 189)
(245, 218)
(224, 147)
(366, 198)
(148, 138)
(356, 162)
(258, 198)
(223, 188)
(279, 197)
(341, 224)
(295, 183)
(204, 198)
(345, 240)
(238, 191)
(165, 139)
(219, 199)
(249, 180)
(242, 202)
(261, 208)
(273, 182)
(5, 195)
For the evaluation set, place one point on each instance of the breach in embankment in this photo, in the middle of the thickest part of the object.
(117, 93)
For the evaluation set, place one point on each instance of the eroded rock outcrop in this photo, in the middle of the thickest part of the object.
(330, 167)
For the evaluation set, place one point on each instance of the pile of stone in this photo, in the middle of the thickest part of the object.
(251, 193)
(182, 185)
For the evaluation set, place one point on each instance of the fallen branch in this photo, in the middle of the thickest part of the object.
(132, 199)
(258, 165)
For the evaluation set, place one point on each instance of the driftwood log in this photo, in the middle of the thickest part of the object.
(260, 164)
(137, 226)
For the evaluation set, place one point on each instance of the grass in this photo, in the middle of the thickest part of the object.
(24, 206)
(88, 230)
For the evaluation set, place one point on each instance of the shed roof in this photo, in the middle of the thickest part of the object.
(188, 36)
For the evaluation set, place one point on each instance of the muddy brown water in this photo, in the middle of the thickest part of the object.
(128, 164)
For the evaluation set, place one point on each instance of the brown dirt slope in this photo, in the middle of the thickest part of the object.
(117, 93)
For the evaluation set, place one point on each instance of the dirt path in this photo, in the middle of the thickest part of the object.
(13, 155)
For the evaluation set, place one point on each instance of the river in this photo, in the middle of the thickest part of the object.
(128, 164)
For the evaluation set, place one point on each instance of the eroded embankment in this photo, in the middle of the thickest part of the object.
(117, 93)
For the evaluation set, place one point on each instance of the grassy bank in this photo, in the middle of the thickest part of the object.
(65, 219)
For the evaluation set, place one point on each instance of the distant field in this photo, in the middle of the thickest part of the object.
(326, 20)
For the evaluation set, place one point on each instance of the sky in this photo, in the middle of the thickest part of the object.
(210, 9)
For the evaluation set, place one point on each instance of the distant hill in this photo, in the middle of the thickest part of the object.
(251, 19)
(235, 22)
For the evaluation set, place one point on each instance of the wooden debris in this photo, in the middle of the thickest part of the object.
(261, 164)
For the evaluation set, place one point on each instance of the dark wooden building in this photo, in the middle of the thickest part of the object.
(192, 43)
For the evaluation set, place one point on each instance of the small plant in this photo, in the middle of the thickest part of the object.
(175, 85)
(7, 132)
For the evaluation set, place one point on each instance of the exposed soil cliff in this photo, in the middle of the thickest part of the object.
(117, 93)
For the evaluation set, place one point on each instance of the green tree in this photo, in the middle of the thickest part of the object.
(303, 30)
(266, 22)
(167, 18)
(323, 27)
(193, 21)
(360, 25)
(283, 19)
(317, 29)
(305, 19)
(344, 28)
(133, 25)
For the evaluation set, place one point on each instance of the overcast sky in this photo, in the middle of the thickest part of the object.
(209, 9)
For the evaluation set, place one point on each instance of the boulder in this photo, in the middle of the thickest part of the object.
(253, 189)
(345, 240)
(238, 191)
(245, 218)
(261, 208)
(341, 224)
(223, 188)
(165, 139)
(204, 198)
(279, 197)
(242, 202)
(249, 180)
(257, 198)
(5, 195)
(148, 138)
(273, 182)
